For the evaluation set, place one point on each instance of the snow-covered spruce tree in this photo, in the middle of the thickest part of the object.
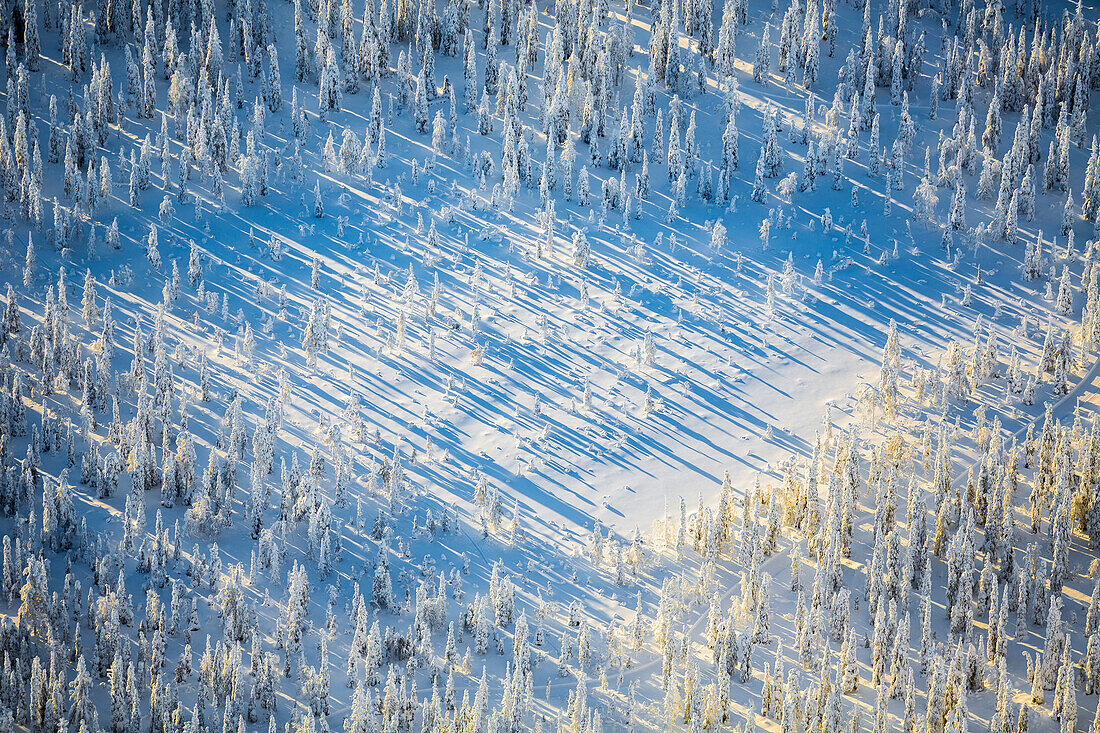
(420, 111)
(761, 64)
(769, 152)
(582, 251)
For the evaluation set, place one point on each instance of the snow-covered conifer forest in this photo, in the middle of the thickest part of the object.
(444, 366)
